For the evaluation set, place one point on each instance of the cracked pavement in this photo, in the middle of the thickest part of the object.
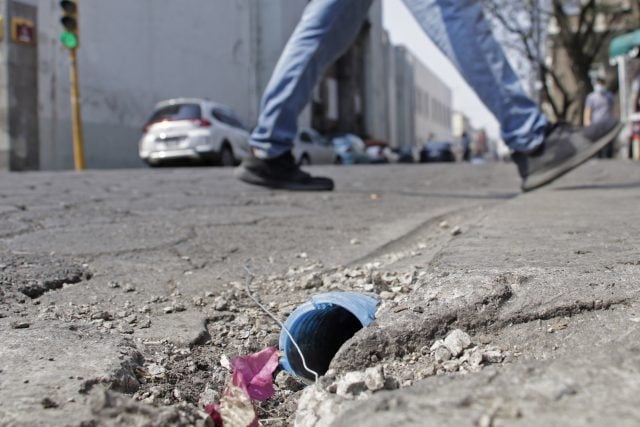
(100, 269)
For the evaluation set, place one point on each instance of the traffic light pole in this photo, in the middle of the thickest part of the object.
(76, 115)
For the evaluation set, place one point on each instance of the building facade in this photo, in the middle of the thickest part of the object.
(134, 54)
(422, 102)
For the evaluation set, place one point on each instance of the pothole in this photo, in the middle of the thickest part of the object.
(32, 276)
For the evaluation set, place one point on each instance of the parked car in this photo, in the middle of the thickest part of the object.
(349, 149)
(404, 155)
(437, 151)
(195, 130)
(311, 148)
(377, 151)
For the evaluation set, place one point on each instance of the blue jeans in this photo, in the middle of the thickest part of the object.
(457, 27)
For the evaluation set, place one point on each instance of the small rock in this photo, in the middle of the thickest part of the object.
(558, 326)
(351, 384)
(444, 224)
(20, 324)
(155, 370)
(178, 308)
(302, 255)
(429, 371)
(391, 383)
(374, 378)
(451, 365)
(125, 329)
(457, 341)
(475, 359)
(418, 309)
(224, 362)
(456, 231)
(146, 323)
(438, 343)
(208, 396)
(47, 403)
(442, 354)
(387, 295)
(354, 241)
(102, 315)
(114, 285)
(493, 356)
(221, 304)
(129, 288)
(168, 310)
(313, 281)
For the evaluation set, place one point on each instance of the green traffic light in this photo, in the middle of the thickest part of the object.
(69, 40)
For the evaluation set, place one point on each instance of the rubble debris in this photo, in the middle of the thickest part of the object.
(48, 403)
(455, 231)
(442, 354)
(20, 324)
(457, 341)
(374, 378)
(351, 384)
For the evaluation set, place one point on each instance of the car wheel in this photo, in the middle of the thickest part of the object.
(305, 160)
(226, 157)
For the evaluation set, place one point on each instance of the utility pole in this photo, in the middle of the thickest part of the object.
(70, 40)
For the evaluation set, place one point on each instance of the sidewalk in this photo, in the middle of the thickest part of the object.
(549, 282)
(132, 280)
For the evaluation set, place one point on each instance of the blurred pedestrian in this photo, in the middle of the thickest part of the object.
(599, 108)
(542, 151)
(465, 141)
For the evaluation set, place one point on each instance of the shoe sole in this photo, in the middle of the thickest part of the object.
(572, 163)
(245, 176)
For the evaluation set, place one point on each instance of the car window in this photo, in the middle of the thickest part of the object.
(305, 137)
(227, 119)
(176, 112)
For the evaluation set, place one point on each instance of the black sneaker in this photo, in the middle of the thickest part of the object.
(280, 173)
(565, 147)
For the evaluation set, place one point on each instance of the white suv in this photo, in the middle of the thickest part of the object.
(193, 129)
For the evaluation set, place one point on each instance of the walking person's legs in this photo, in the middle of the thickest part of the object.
(326, 30)
(542, 152)
(459, 28)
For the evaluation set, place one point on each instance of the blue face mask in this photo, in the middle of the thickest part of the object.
(599, 88)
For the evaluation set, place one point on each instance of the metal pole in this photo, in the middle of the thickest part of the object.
(76, 116)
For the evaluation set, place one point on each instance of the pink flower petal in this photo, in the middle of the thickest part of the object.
(254, 372)
(214, 413)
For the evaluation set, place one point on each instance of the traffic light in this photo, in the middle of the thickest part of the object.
(69, 21)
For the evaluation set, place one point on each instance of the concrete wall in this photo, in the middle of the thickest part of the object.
(22, 74)
(132, 55)
(4, 99)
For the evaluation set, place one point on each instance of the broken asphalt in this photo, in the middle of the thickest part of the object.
(121, 292)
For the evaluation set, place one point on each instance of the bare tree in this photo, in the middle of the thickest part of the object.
(581, 31)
